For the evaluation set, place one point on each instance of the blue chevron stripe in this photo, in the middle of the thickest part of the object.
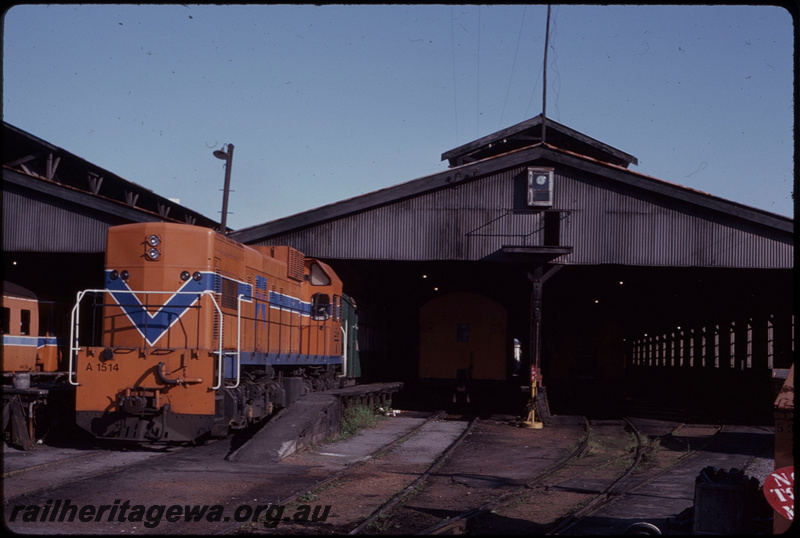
(153, 326)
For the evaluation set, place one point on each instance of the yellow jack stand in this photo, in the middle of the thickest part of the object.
(531, 421)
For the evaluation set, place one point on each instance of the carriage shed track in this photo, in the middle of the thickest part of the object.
(495, 457)
(496, 478)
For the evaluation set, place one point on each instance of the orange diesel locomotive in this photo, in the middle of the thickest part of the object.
(201, 334)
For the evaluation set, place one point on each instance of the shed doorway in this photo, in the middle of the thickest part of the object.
(463, 337)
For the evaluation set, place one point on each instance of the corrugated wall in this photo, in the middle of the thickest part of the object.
(35, 225)
(606, 224)
(463, 222)
(604, 221)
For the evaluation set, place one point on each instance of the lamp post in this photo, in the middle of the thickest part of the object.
(226, 156)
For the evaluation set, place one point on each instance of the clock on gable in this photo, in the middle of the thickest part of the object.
(540, 187)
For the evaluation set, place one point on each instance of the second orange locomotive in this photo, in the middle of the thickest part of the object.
(201, 334)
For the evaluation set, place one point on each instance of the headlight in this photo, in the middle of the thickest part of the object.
(153, 240)
(153, 253)
(185, 275)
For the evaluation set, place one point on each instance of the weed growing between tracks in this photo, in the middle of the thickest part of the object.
(357, 418)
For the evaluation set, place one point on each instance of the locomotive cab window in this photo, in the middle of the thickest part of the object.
(317, 276)
(6, 328)
(320, 306)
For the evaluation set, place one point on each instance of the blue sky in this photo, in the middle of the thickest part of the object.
(330, 102)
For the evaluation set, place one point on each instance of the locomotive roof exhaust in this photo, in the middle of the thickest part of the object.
(226, 156)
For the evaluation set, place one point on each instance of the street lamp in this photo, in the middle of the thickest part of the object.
(226, 156)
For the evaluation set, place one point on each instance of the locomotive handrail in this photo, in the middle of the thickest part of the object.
(344, 348)
(73, 324)
(221, 336)
(238, 340)
(74, 348)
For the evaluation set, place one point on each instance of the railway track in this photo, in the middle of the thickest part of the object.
(582, 487)
(458, 523)
(377, 492)
(405, 451)
(411, 488)
(649, 494)
(605, 456)
(63, 466)
(424, 475)
(443, 497)
(604, 496)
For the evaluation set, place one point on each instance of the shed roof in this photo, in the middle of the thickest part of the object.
(539, 152)
(39, 166)
(531, 132)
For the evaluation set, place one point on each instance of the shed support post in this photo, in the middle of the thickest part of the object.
(538, 277)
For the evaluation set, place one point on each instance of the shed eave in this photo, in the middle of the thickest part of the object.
(80, 197)
(36, 146)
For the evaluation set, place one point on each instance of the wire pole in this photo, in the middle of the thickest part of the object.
(544, 83)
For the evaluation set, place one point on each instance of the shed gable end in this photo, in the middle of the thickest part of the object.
(605, 222)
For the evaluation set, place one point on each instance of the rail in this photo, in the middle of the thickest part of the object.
(345, 471)
(74, 346)
(413, 486)
(448, 525)
(604, 496)
(613, 494)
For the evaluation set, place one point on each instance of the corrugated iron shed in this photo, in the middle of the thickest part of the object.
(606, 213)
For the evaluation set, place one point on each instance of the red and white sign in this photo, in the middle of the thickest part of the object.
(779, 491)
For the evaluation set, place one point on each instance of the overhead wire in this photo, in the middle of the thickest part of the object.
(554, 63)
(513, 67)
(478, 81)
(535, 86)
(455, 94)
